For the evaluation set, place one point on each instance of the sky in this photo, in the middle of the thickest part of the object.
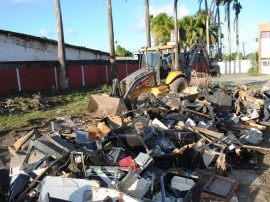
(85, 21)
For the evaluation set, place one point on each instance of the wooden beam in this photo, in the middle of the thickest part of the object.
(208, 132)
(261, 149)
(254, 125)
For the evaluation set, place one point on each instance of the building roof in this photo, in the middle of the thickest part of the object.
(45, 40)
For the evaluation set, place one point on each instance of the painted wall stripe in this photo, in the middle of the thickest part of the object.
(83, 81)
(55, 78)
(107, 79)
(18, 79)
(126, 69)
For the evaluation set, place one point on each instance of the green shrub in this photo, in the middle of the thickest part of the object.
(253, 71)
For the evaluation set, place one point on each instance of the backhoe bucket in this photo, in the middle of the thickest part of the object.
(100, 106)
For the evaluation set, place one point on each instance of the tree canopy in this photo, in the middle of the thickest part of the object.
(120, 51)
(161, 27)
(195, 26)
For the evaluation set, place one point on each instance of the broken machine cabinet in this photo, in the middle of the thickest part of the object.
(111, 194)
(134, 185)
(128, 138)
(217, 187)
(77, 165)
(143, 161)
(66, 189)
(174, 187)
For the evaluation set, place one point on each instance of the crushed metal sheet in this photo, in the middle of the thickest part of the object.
(70, 189)
(134, 185)
(110, 194)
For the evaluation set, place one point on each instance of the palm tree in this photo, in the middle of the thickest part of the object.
(227, 4)
(194, 26)
(217, 4)
(147, 23)
(200, 19)
(189, 24)
(176, 63)
(207, 24)
(237, 7)
(115, 88)
(61, 46)
(161, 27)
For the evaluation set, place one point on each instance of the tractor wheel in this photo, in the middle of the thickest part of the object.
(178, 84)
(144, 99)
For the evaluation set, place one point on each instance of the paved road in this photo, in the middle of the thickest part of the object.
(241, 79)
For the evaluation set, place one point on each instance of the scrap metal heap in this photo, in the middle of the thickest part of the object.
(178, 147)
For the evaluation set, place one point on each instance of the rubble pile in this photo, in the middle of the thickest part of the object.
(178, 147)
(19, 105)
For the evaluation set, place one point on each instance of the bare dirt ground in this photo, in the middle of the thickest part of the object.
(253, 184)
(240, 79)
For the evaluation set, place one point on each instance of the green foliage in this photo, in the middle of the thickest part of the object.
(253, 71)
(106, 88)
(120, 51)
(250, 56)
(234, 56)
(237, 7)
(225, 57)
(189, 24)
(161, 27)
(195, 26)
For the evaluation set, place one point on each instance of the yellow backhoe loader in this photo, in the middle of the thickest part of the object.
(152, 75)
(151, 80)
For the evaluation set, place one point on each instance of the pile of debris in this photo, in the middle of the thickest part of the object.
(20, 105)
(178, 147)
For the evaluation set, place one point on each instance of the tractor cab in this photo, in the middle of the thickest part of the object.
(152, 73)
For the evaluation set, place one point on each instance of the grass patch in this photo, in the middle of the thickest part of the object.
(253, 72)
(254, 85)
(223, 84)
(76, 101)
(14, 121)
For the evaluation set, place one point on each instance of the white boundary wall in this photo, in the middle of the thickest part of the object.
(227, 68)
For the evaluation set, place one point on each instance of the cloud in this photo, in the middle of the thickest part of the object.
(45, 33)
(139, 26)
(70, 32)
(183, 11)
(24, 1)
(154, 10)
(163, 9)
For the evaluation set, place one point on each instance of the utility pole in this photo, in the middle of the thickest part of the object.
(176, 62)
(147, 23)
(61, 46)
